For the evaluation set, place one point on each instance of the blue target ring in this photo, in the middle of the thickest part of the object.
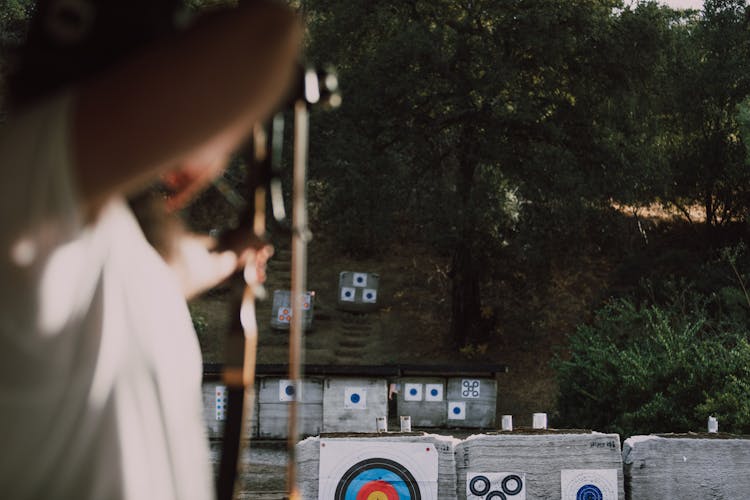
(372, 470)
(413, 391)
(368, 296)
(589, 492)
(434, 392)
(289, 390)
(354, 398)
(456, 410)
(347, 293)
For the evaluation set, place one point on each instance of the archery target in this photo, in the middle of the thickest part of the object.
(284, 314)
(221, 402)
(470, 388)
(495, 486)
(355, 398)
(412, 392)
(433, 392)
(369, 296)
(456, 410)
(589, 484)
(359, 279)
(370, 470)
(287, 391)
(347, 294)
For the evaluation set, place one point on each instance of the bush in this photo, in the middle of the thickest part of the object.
(659, 368)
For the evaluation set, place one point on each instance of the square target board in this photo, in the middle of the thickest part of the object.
(395, 470)
(358, 291)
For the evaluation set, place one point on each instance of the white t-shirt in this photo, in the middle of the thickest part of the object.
(100, 369)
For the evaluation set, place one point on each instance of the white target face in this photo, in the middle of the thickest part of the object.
(470, 388)
(412, 392)
(589, 484)
(495, 486)
(306, 301)
(433, 392)
(359, 279)
(221, 402)
(456, 410)
(355, 398)
(369, 295)
(351, 469)
(347, 294)
(287, 391)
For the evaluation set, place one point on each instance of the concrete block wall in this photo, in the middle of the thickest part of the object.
(540, 459)
(686, 467)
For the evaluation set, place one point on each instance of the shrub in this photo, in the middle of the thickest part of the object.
(659, 368)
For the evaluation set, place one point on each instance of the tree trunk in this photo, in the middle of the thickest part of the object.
(466, 305)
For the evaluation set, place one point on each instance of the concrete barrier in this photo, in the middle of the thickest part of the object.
(274, 396)
(683, 467)
(214, 409)
(354, 404)
(540, 465)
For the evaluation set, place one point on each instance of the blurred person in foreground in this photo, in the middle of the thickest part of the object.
(100, 369)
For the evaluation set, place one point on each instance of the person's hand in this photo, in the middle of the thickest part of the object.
(199, 266)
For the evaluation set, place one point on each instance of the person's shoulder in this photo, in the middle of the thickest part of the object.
(40, 113)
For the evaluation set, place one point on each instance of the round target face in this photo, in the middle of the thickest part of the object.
(377, 479)
(589, 492)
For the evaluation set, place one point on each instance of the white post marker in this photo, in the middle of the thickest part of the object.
(539, 421)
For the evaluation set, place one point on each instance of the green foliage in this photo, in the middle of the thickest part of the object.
(660, 368)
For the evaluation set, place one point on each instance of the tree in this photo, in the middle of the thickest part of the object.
(710, 77)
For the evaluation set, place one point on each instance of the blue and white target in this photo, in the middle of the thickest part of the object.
(359, 279)
(433, 392)
(355, 398)
(589, 492)
(287, 391)
(456, 410)
(369, 295)
(589, 484)
(412, 392)
(348, 294)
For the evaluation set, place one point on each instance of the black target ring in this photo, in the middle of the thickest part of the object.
(485, 487)
(364, 466)
(517, 489)
(497, 495)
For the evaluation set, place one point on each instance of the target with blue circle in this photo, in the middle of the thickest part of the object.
(376, 470)
(412, 392)
(287, 390)
(377, 478)
(355, 398)
(433, 392)
(589, 484)
(359, 279)
(348, 294)
(456, 410)
(589, 492)
(369, 296)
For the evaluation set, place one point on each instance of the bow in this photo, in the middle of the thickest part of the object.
(263, 158)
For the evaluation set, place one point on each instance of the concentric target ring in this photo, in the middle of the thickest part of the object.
(377, 478)
(496, 495)
(479, 489)
(589, 492)
(508, 479)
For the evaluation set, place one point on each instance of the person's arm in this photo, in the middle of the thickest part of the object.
(191, 99)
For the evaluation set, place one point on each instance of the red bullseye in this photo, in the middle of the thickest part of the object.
(377, 490)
